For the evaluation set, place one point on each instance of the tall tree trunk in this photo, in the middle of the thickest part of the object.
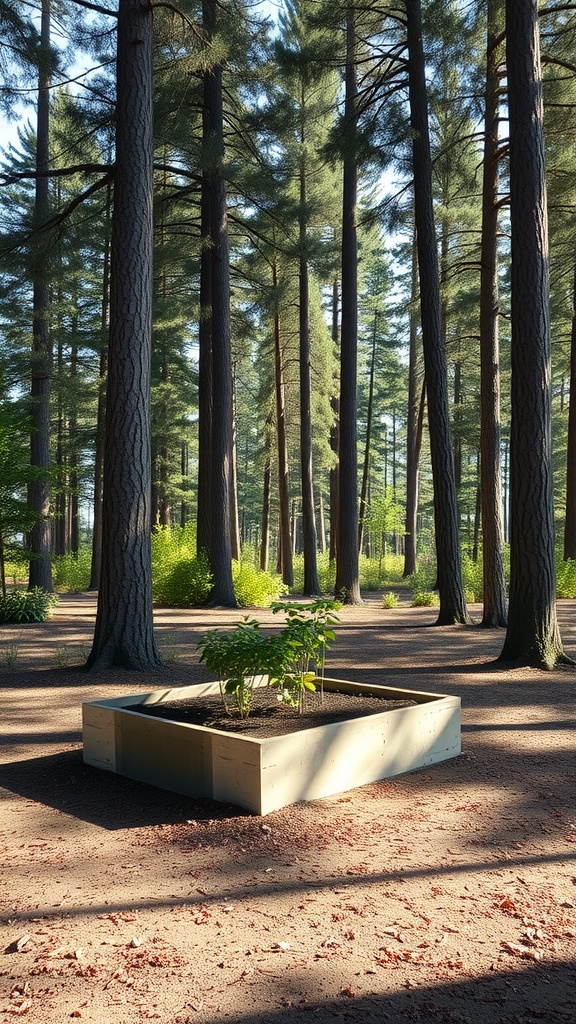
(124, 632)
(477, 517)
(74, 459)
(448, 557)
(458, 428)
(334, 437)
(311, 584)
(265, 522)
(220, 551)
(203, 507)
(321, 523)
(184, 473)
(347, 571)
(570, 519)
(415, 420)
(366, 465)
(533, 632)
(59, 517)
(40, 571)
(2, 562)
(285, 545)
(235, 542)
(495, 612)
(101, 408)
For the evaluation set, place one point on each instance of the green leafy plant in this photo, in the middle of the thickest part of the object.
(425, 599)
(390, 599)
(62, 656)
(26, 605)
(308, 632)
(71, 573)
(182, 579)
(472, 578)
(185, 582)
(424, 579)
(9, 655)
(169, 651)
(566, 578)
(255, 588)
(239, 657)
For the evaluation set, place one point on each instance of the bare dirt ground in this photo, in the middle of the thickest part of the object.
(446, 895)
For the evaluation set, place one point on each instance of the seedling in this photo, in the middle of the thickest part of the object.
(240, 656)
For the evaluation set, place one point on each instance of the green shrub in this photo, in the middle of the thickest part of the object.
(377, 572)
(170, 542)
(326, 573)
(179, 578)
(185, 582)
(255, 588)
(71, 573)
(16, 567)
(566, 579)
(473, 579)
(62, 655)
(26, 605)
(9, 655)
(424, 579)
(390, 599)
(425, 599)
(373, 572)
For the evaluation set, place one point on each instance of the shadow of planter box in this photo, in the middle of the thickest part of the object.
(264, 774)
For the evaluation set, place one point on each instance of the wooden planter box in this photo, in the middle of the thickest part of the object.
(262, 775)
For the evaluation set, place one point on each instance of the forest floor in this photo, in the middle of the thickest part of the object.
(444, 895)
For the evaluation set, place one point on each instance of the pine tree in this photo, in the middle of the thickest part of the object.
(532, 632)
(452, 600)
(124, 622)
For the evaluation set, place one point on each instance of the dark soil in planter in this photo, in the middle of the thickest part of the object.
(270, 717)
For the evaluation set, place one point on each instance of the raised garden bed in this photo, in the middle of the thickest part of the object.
(259, 773)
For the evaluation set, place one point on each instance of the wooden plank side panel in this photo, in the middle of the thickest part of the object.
(165, 754)
(98, 737)
(338, 757)
(237, 772)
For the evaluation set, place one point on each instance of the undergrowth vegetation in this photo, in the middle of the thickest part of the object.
(71, 573)
(26, 605)
(566, 578)
(182, 580)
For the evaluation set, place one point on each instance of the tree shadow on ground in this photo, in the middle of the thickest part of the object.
(62, 781)
(538, 993)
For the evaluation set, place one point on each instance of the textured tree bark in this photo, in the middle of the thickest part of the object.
(185, 483)
(40, 570)
(448, 557)
(124, 632)
(235, 539)
(265, 520)
(101, 409)
(570, 519)
(220, 549)
(533, 634)
(311, 584)
(74, 527)
(347, 570)
(495, 612)
(203, 519)
(416, 399)
(366, 461)
(334, 438)
(285, 543)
